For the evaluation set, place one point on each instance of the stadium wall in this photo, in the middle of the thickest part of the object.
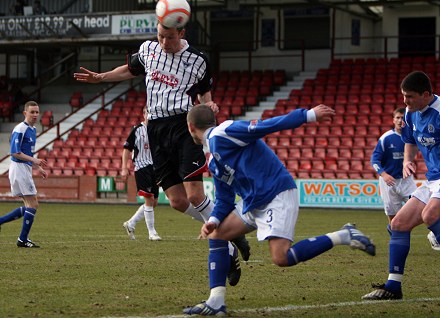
(70, 189)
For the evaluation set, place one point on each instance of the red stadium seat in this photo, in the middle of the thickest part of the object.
(334, 141)
(320, 152)
(282, 153)
(321, 141)
(307, 153)
(328, 175)
(343, 164)
(305, 164)
(294, 153)
(292, 164)
(272, 142)
(341, 175)
(295, 141)
(358, 152)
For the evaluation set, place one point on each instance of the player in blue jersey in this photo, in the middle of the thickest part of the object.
(23, 141)
(387, 161)
(421, 132)
(242, 164)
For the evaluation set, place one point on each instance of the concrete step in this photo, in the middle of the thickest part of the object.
(282, 93)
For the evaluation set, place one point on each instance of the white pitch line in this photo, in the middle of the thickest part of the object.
(299, 307)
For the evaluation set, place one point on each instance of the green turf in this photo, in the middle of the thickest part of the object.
(87, 267)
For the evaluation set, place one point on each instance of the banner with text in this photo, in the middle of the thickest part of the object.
(134, 24)
(54, 25)
(49, 26)
(318, 193)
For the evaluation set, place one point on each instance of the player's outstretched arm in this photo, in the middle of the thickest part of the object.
(118, 74)
(323, 113)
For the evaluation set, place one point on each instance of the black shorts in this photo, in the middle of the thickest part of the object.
(146, 182)
(176, 158)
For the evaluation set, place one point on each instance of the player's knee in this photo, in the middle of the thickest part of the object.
(279, 259)
(429, 217)
(179, 204)
(399, 224)
(33, 205)
(196, 199)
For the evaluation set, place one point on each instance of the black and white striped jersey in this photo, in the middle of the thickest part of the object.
(137, 142)
(173, 80)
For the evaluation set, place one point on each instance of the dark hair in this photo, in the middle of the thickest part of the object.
(201, 117)
(418, 82)
(400, 110)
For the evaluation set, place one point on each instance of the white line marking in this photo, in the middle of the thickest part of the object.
(298, 307)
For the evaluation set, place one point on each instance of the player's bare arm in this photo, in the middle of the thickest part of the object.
(323, 112)
(126, 154)
(409, 167)
(43, 173)
(206, 99)
(118, 74)
(35, 161)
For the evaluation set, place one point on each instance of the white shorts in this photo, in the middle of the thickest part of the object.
(275, 219)
(395, 197)
(20, 177)
(428, 190)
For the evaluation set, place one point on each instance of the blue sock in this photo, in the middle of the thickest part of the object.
(308, 249)
(28, 219)
(435, 228)
(13, 215)
(218, 262)
(399, 249)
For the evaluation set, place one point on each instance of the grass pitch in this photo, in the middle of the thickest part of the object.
(87, 267)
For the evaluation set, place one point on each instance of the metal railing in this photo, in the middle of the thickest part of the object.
(384, 46)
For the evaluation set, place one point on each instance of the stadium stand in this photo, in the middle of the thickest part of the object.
(364, 92)
(340, 149)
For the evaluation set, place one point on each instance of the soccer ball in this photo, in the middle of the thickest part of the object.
(173, 13)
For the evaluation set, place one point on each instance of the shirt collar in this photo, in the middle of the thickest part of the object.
(430, 104)
(205, 140)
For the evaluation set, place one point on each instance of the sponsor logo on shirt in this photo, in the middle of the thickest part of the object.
(426, 141)
(223, 172)
(397, 155)
(168, 79)
(252, 125)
